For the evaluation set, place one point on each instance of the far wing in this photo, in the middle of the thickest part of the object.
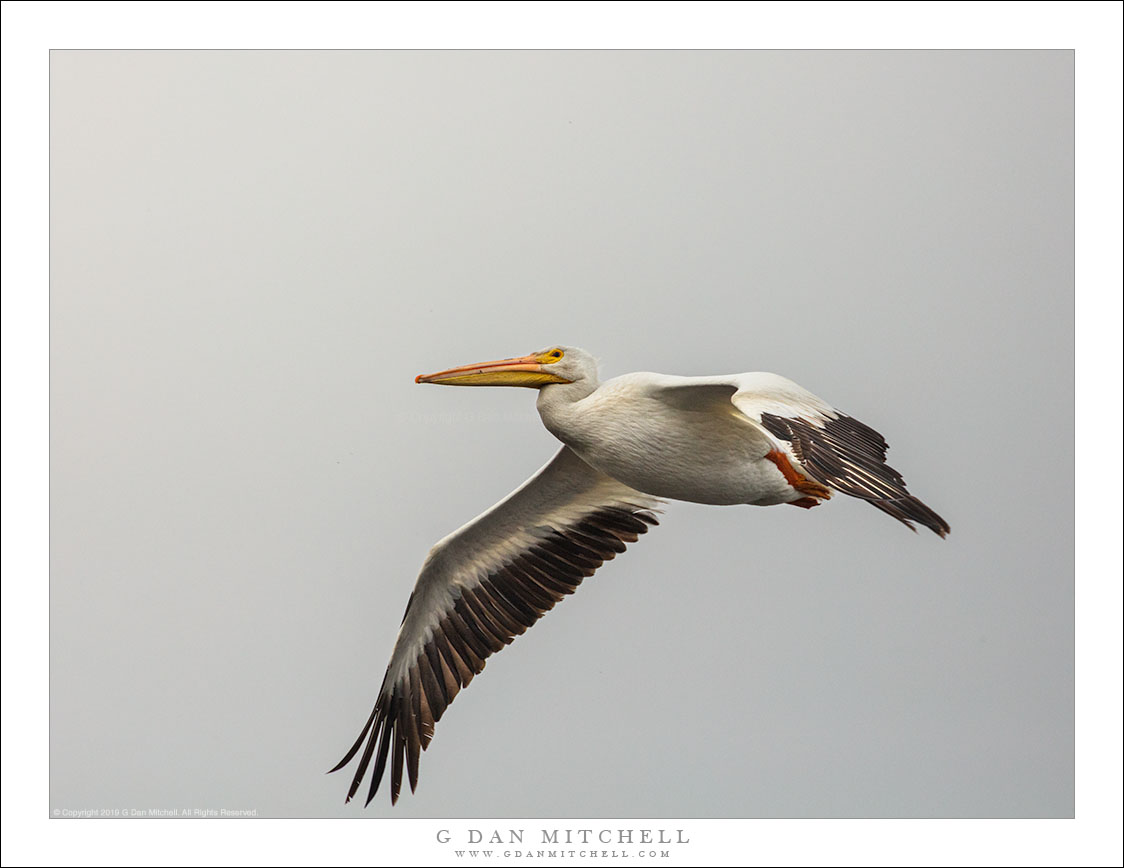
(831, 447)
(482, 586)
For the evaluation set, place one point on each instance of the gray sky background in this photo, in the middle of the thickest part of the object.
(254, 253)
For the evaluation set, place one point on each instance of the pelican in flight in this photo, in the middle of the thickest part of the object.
(628, 444)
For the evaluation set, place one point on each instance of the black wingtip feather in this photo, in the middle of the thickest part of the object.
(908, 510)
(355, 747)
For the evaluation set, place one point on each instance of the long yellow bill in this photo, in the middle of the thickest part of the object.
(529, 371)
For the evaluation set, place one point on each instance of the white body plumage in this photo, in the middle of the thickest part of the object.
(684, 438)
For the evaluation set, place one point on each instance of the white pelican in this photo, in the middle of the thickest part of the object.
(628, 444)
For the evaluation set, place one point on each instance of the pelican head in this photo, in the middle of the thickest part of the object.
(556, 364)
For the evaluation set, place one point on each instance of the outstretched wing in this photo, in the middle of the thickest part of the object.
(831, 447)
(482, 586)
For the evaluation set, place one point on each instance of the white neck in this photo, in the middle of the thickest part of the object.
(558, 405)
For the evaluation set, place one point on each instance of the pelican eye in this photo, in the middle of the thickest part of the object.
(555, 355)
